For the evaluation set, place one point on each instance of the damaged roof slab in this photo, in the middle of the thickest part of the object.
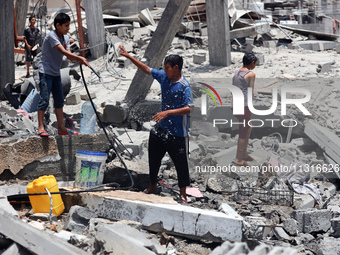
(171, 218)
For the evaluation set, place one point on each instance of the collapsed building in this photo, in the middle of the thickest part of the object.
(285, 203)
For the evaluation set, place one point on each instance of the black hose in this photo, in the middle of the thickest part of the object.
(102, 126)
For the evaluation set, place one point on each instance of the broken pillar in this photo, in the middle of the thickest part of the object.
(21, 7)
(7, 44)
(95, 27)
(157, 48)
(218, 32)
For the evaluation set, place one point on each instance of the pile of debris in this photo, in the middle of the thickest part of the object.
(285, 203)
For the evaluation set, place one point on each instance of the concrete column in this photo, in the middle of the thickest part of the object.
(7, 44)
(95, 27)
(21, 7)
(157, 48)
(218, 32)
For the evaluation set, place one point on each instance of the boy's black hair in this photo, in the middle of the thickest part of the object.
(248, 58)
(174, 60)
(61, 18)
(31, 17)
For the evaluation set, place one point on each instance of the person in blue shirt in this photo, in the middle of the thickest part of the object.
(56, 45)
(170, 134)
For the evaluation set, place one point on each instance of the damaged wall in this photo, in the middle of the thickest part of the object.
(7, 44)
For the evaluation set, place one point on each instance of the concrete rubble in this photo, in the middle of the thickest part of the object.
(288, 201)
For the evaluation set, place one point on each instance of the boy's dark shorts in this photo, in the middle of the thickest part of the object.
(243, 129)
(48, 84)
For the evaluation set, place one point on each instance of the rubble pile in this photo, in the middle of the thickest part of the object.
(286, 202)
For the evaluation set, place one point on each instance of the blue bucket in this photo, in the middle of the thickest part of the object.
(90, 167)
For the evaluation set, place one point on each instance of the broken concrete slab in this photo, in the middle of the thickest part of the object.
(119, 238)
(173, 219)
(78, 219)
(16, 249)
(326, 139)
(291, 226)
(63, 167)
(6, 206)
(17, 153)
(313, 220)
(38, 242)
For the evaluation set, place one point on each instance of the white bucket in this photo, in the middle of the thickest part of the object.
(89, 168)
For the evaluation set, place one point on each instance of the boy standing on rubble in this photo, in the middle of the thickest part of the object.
(56, 44)
(31, 35)
(170, 134)
(243, 79)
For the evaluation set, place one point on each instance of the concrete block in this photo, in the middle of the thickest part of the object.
(73, 99)
(123, 61)
(337, 48)
(199, 59)
(291, 226)
(123, 32)
(141, 31)
(136, 24)
(115, 113)
(173, 219)
(78, 219)
(85, 96)
(260, 59)
(324, 67)
(119, 238)
(313, 220)
(335, 222)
